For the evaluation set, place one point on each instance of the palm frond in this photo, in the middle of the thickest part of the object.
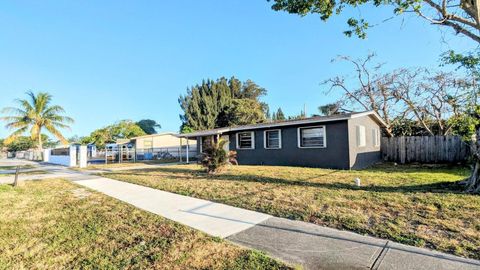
(55, 132)
(13, 118)
(27, 107)
(42, 101)
(55, 109)
(60, 125)
(34, 113)
(14, 135)
(59, 118)
(13, 110)
(13, 125)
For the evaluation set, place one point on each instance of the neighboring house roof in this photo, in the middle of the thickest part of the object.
(122, 141)
(311, 120)
(155, 135)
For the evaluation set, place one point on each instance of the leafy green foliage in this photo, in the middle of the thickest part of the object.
(21, 143)
(469, 61)
(466, 124)
(458, 15)
(149, 126)
(215, 157)
(33, 115)
(121, 130)
(242, 112)
(222, 103)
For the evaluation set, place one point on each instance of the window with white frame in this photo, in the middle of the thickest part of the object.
(361, 138)
(311, 137)
(245, 140)
(272, 139)
(376, 137)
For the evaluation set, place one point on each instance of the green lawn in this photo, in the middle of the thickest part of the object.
(103, 166)
(414, 205)
(55, 224)
(33, 172)
(14, 167)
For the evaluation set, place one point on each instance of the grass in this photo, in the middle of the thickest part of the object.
(54, 224)
(128, 164)
(33, 172)
(414, 205)
(14, 167)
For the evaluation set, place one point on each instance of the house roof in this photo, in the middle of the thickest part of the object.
(155, 135)
(310, 120)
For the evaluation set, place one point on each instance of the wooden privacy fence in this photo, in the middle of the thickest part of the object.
(425, 149)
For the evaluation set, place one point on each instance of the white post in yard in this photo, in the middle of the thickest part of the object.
(82, 156)
(188, 150)
(73, 156)
(46, 155)
(180, 150)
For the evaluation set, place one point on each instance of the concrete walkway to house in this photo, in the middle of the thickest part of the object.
(306, 244)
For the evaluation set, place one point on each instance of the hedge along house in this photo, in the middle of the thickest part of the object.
(342, 141)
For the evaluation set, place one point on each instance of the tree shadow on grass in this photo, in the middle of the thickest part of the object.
(189, 174)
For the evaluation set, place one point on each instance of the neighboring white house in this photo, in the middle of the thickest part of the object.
(163, 145)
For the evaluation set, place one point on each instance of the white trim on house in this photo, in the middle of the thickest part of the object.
(279, 139)
(370, 113)
(299, 140)
(361, 135)
(252, 134)
(376, 137)
(157, 134)
(313, 120)
(201, 145)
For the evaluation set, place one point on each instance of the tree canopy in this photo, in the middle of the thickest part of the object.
(222, 103)
(121, 130)
(33, 115)
(149, 126)
(22, 143)
(462, 16)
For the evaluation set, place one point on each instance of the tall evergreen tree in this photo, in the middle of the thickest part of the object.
(222, 103)
(279, 115)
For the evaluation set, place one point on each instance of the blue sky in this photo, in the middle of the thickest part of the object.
(104, 61)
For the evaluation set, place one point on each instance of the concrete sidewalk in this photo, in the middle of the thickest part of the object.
(310, 245)
(213, 218)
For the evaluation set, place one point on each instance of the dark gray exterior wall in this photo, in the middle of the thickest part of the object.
(361, 157)
(335, 155)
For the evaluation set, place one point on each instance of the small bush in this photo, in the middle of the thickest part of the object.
(215, 157)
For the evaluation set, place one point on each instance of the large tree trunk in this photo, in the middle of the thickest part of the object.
(473, 182)
(40, 144)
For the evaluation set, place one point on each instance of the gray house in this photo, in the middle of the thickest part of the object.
(343, 141)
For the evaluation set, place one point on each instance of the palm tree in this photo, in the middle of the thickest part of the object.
(34, 114)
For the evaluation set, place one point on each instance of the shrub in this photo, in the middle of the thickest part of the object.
(215, 157)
